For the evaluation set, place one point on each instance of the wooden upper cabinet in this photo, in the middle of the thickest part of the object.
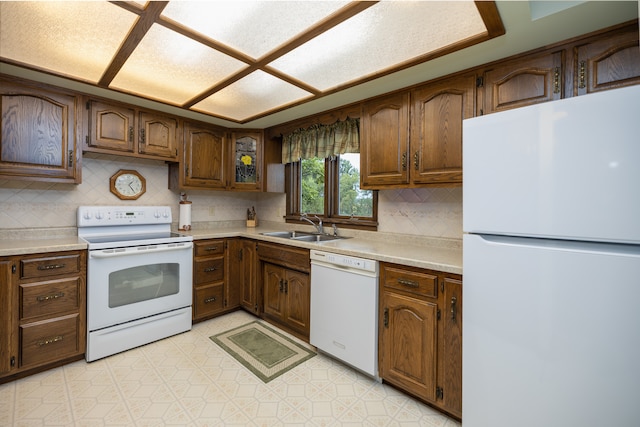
(385, 140)
(607, 63)
(437, 112)
(39, 129)
(111, 127)
(124, 130)
(205, 154)
(246, 158)
(521, 82)
(158, 135)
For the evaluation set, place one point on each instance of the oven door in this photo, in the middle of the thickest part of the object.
(126, 284)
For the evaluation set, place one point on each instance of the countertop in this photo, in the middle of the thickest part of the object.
(437, 254)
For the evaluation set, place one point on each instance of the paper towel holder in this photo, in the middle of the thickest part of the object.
(185, 213)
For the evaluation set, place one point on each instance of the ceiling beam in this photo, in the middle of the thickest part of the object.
(147, 18)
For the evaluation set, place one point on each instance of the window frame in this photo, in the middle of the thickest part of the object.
(293, 177)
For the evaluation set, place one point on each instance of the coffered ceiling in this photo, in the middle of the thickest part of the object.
(247, 62)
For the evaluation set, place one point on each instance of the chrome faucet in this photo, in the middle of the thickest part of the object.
(318, 226)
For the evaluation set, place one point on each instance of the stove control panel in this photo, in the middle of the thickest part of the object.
(96, 216)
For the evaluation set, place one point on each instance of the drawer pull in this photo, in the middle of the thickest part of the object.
(42, 298)
(210, 299)
(453, 308)
(211, 248)
(51, 266)
(50, 340)
(409, 283)
(210, 269)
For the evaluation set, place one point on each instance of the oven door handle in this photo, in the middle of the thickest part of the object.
(140, 250)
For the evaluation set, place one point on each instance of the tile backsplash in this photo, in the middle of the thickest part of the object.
(429, 212)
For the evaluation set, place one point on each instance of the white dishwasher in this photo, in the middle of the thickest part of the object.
(344, 309)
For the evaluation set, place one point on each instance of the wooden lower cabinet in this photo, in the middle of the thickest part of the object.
(213, 292)
(42, 310)
(286, 287)
(242, 273)
(420, 338)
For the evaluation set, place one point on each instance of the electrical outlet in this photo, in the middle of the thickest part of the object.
(212, 211)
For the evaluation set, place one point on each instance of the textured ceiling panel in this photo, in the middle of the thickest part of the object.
(250, 96)
(253, 28)
(76, 39)
(170, 67)
(378, 39)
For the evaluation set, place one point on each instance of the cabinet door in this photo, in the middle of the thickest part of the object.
(297, 291)
(436, 130)
(247, 281)
(241, 282)
(408, 340)
(607, 64)
(522, 82)
(385, 138)
(450, 345)
(274, 303)
(7, 306)
(158, 135)
(111, 127)
(204, 157)
(246, 156)
(39, 131)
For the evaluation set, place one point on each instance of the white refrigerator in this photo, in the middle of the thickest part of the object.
(551, 264)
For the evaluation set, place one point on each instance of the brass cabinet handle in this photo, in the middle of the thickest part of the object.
(409, 283)
(51, 266)
(404, 161)
(210, 269)
(142, 135)
(556, 80)
(281, 285)
(50, 340)
(42, 298)
(130, 133)
(210, 299)
(211, 248)
(286, 286)
(416, 160)
(453, 308)
(582, 75)
(386, 317)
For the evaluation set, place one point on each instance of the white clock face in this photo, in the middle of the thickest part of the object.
(128, 184)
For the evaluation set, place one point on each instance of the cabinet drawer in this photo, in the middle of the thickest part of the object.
(49, 340)
(50, 266)
(49, 298)
(208, 300)
(209, 247)
(211, 270)
(413, 281)
(295, 258)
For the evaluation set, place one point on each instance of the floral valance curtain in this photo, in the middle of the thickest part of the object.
(322, 141)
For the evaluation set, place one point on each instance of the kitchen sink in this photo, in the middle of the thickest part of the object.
(303, 236)
(286, 234)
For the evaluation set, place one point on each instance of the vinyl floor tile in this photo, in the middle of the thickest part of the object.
(187, 380)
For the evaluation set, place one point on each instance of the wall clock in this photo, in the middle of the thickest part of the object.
(127, 184)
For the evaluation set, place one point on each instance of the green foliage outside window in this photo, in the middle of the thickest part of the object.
(312, 186)
(351, 200)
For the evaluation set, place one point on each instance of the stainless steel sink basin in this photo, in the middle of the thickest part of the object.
(302, 236)
(286, 234)
(316, 238)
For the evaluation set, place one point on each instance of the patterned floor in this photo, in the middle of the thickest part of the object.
(187, 380)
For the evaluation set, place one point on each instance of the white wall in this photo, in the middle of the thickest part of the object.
(23, 204)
